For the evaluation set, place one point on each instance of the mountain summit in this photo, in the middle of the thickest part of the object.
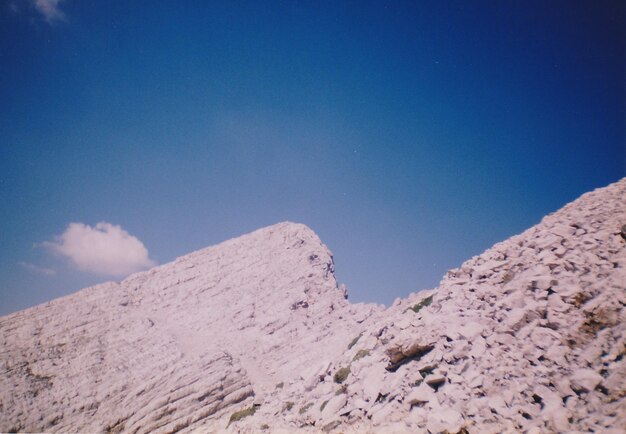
(255, 335)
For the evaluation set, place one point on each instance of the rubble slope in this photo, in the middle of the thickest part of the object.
(254, 335)
(527, 337)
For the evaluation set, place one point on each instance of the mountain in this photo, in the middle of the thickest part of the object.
(255, 335)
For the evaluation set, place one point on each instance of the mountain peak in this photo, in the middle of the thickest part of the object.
(255, 332)
(232, 320)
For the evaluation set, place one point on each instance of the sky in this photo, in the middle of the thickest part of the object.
(410, 136)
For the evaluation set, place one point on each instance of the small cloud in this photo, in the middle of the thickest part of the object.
(36, 269)
(103, 249)
(50, 10)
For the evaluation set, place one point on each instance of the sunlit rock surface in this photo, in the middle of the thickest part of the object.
(255, 335)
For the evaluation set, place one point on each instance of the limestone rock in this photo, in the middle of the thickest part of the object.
(471, 330)
(408, 346)
(420, 394)
(445, 420)
(182, 345)
(331, 409)
(585, 379)
(529, 337)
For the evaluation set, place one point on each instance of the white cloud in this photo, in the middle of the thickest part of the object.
(50, 10)
(103, 249)
(36, 269)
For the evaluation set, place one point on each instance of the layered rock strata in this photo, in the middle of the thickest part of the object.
(181, 344)
(254, 335)
(529, 336)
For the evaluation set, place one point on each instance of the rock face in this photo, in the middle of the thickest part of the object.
(255, 335)
(180, 345)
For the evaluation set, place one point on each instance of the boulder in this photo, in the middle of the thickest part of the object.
(419, 395)
(408, 346)
(471, 330)
(445, 420)
(333, 406)
(585, 380)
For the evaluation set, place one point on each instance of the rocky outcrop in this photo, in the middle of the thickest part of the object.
(527, 337)
(255, 335)
(179, 345)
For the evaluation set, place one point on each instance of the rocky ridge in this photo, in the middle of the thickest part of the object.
(255, 335)
(527, 337)
(178, 346)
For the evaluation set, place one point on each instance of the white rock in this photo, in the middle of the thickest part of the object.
(420, 394)
(445, 420)
(563, 387)
(560, 419)
(382, 414)
(260, 322)
(543, 337)
(314, 375)
(434, 379)
(556, 303)
(517, 318)
(488, 268)
(557, 354)
(471, 330)
(585, 379)
(498, 404)
(334, 405)
(544, 283)
(375, 381)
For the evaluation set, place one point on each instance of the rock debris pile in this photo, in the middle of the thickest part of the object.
(255, 335)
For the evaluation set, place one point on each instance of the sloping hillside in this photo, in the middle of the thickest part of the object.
(527, 337)
(182, 343)
(255, 335)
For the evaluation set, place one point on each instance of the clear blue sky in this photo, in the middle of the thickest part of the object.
(409, 135)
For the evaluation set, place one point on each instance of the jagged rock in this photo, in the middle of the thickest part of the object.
(407, 347)
(488, 268)
(471, 330)
(544, 338)
(527, 337)
(435, 380)
(519, 317)
(384, 415)
(499, 406)
(585, 379)
(420, 394)
(445, 420)
(313, 376)
(331, 409)
(195, 332)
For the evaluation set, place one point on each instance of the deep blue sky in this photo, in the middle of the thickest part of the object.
(409, 135)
